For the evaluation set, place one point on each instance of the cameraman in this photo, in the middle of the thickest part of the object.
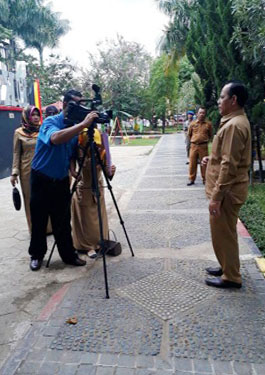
(50, 185)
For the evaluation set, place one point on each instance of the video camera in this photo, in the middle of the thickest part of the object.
(76, 112)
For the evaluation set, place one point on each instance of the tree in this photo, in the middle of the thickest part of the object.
(163, 87)
(213, 53)
(33, 23)
(56, 76)
(174, 40)
(212, 48)
(249, 31)
(121, 68)
(45, 31)
(186, 99)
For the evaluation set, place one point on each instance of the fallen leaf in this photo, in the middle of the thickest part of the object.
(72, 320)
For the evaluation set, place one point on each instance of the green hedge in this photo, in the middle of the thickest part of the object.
(252, 214)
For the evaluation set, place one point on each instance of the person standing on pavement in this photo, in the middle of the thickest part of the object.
(199, 133)
(50, 185)
(190, 115)
(227, 183)
(84, 210)
(25, 139)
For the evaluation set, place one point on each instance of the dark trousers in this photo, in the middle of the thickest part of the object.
(50, 197)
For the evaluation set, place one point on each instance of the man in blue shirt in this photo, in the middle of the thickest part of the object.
(50, 185)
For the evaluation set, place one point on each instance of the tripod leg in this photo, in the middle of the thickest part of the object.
(119, 214)
(105, 275)
(114, 201)
(95, 188)
(51, 253)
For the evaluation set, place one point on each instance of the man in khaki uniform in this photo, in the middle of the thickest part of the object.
(199, 133)
(227, 183)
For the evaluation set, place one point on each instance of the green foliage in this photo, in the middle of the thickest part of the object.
(212, 44)
(185, 70)
(209, 48)
(187, 79)
(175, 35)
(143, 142)
(163, 87)
(56, 76)
(33, 23)
(249, 31)
(121, 68)
(252, 214)
(258, 114)
(5, 33)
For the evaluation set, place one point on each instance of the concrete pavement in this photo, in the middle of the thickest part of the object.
(161, 318)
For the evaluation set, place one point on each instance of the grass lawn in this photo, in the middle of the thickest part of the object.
(140, 142)
(252, 214)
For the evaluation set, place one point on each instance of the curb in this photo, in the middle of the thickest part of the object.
(136, 136)
(243, 232)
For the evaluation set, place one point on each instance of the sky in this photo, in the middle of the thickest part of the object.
(92, 21)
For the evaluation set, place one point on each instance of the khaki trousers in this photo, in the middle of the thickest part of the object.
(224, 239)
(197, 152)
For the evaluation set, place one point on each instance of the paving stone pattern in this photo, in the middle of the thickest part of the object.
(161, 318)
(204, 323)
(169, 229)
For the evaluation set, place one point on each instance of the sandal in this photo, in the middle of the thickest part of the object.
(92, 254)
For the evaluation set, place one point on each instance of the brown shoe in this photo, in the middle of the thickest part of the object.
(218, 282)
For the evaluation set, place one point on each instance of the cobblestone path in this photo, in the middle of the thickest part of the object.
(161, 317)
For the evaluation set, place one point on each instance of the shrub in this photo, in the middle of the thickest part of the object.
(252, 214)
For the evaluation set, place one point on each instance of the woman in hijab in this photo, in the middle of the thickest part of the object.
(25, 139)
(85, 221)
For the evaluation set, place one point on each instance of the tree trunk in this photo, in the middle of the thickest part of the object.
(40, 50)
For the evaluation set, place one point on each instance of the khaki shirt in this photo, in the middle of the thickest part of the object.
(229, 162)
(200, 132)
(23, 152)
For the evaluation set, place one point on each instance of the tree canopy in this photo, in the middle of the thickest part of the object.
(32, 22)
(121, 69)
(216, 35)
(163, 87)
(56, 76)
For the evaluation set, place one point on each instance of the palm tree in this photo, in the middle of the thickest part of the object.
(174, 39)
(45, 31)
(34, 23)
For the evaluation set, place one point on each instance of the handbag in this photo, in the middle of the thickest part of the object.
(16, 198)
(113, 247)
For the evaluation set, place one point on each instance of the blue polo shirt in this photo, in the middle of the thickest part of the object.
(50, 159)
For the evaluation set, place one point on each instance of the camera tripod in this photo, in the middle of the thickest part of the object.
(95, 158)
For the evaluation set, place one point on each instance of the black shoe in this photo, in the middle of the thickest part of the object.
(214, 271)
(218, 282)
(190, 183)
(35, 264)
(77, 262)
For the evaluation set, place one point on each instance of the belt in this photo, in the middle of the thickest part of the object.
(198, 144)
(44, 177)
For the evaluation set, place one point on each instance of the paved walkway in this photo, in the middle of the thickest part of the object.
(161, 318)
